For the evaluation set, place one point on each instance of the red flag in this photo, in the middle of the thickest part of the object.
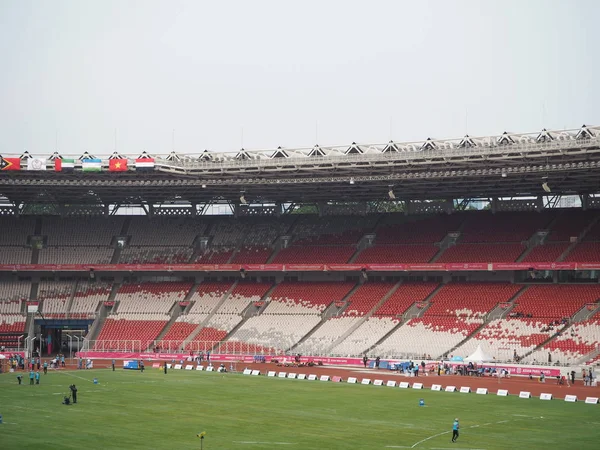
(10, 163)
(117, 165)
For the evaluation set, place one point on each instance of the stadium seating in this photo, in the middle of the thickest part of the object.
(54, 297)
(313, 254)
(306, 298)
(75, 255)
(326, 335)
(165, 231)
(572, 345)
(130, 332)
(503, 338)
(16, 230)
(215, 256)
(155, 255)
(481, 253)
(366, 297)
(404, 297)
(555, 302)
(455, 312)
(394, 253)
(81, 231)
(546, 253)
(207, 296)
(11, 327)
(252, 255)
(15, 290)
(87, 297)
(365, 336)
(15, 255)
(150, 297)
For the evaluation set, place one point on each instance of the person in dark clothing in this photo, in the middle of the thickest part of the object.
(365, 361)
(19, 378)
(208, 356)
(142, 366)
(113, 365)
(572, 377)
(74, 393)
(455, 427)
(165, 367)
(377, 360)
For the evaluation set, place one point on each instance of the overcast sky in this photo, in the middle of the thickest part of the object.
(289, 73)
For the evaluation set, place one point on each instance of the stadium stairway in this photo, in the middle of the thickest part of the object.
(353, 328)
(175, 313)
(412, 312)
(70, 301)
(202, 324)
(368, 240)
(94, 331)
(123, 232)
(330, 312)
(585, 312)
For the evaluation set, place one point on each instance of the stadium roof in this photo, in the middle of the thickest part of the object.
(506, 165)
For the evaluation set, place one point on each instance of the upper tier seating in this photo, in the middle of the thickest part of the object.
(155, 255)
(76, 255)
(481, 253)
(555, 302)
(15, 255)
(400, 229)
(165, 231)
(81, 231)
(548, 252)
(393, 253)
(404, 297)
(570, 224)
(16, 230)
(252, 255)
(10, 307)
(313, 254)
(502, 227)
(585, 252)
(215, 255)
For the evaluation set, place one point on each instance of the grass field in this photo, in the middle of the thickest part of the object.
(129, 410)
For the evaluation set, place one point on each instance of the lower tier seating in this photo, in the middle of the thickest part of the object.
(365, 336)
(503, 338)
(277, 331)
(325, 336)
(433, 336)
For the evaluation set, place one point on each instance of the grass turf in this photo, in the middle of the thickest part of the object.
(129, 410)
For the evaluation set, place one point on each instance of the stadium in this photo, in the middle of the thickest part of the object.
(479, 249)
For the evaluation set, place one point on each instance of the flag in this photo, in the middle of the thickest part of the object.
(64, 165)
(144, 164)
(91, 165)
(10, 163)
(36, 164)
(117, 165)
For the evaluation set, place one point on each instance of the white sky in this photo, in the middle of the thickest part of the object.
(289, 73)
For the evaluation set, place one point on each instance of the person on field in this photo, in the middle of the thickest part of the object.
(455, 427)
(31, 376)
(45, 367)
(165, 367)
(365, 361)
(142, 366)
(113, 365)
(37, 377)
